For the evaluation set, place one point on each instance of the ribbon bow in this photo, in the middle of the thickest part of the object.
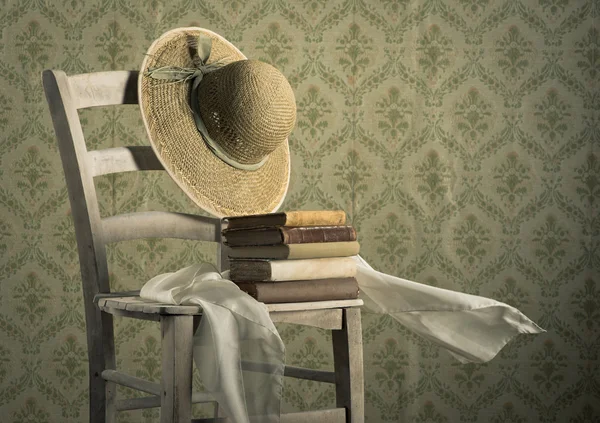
(203, 45)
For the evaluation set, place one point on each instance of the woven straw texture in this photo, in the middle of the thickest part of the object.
(214, 185)
(248, 108)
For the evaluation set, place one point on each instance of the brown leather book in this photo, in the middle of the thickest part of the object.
(259, 270)
(302, 291)
(284, 235)
(290, 218)
(297, 251)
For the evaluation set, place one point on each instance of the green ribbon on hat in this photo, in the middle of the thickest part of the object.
(195, 75)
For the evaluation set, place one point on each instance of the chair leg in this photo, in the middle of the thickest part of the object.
(101, 356)
(110, 362)
(177, 347)
(348, 363)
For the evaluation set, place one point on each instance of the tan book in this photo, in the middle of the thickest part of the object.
(302, 291)
(258, 270)
(290, 218)
(284, 235)
(297, 251)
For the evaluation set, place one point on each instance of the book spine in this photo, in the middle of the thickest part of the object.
(252, 270)
(302, 291)
(259, 270)
(297, 251)
(315, 218)
(322, 250)
(304, 235)
(320, 268)
(265, 251)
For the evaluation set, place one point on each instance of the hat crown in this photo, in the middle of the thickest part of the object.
(248, 108)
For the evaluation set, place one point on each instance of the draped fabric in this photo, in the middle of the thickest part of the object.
(470, 327)
(234, 329)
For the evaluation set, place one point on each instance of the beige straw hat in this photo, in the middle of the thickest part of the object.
(218, 123)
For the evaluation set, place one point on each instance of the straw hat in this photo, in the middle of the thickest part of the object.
(217, 122)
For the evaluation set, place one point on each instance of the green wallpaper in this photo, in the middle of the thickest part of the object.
(461, 136)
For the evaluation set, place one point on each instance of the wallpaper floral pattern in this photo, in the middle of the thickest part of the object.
(461, 137)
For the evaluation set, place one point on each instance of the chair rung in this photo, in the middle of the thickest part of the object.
(291, 371)
(131, 381)
(153, 402)
(335, 415)
(309, 374)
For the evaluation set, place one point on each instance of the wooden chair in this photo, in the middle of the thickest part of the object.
(68, 94)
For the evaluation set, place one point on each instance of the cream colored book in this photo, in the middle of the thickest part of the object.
(297, 251)
(257, 270)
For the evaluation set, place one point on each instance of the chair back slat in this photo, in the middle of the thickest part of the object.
(156, 224)
(104, 88)
(123, 159)
(80, 183)
(65, 96)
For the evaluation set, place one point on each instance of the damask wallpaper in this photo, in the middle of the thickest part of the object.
(460, 136)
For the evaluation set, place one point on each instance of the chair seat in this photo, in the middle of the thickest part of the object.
(133, 303)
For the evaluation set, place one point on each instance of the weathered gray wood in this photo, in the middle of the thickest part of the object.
(348, 363)
(137, 305)
(284, 312)
(135, 293)
(131, 382)
(156, 224)
(118, 303)
(88, 229)
(335, 415)
(176, 379)
(154, 401)
(324, 319)
(123, 159)
(222, 253)
(291, 371)
(315, 305)
(165, 309)
(173, 309)
(131, 314)
(309, 374)
(104, 88)
(110, 362)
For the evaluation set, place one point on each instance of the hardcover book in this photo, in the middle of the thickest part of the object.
(302, 291)
(290, 218)
(257, 270)
(297, 251)
(284, 235)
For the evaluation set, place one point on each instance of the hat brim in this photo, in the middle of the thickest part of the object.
(212, 184)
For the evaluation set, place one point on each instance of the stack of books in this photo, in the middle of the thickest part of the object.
(296, 256)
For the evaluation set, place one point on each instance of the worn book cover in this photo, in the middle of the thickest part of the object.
(290, 218)
(297, 251)
(302, 291)
(257, 270)
(284, 235)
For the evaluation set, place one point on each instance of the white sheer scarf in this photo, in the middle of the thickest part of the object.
(235, 328)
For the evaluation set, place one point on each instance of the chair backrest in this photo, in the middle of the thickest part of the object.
(65, 96)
